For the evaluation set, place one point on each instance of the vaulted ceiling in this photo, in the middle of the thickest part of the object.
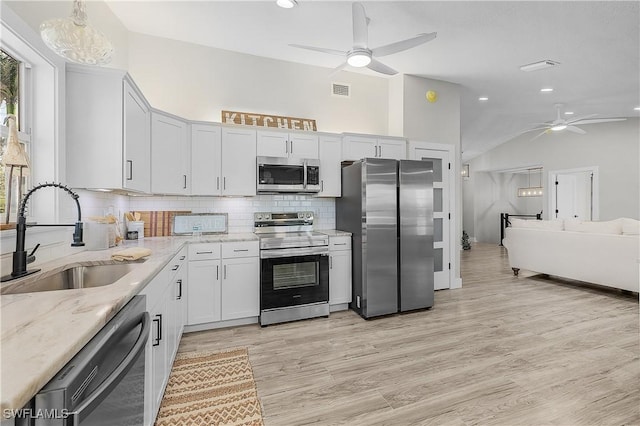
(480, 46)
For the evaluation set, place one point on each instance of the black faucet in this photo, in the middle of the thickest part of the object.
(20, 258)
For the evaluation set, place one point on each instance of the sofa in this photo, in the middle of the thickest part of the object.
(604, 253)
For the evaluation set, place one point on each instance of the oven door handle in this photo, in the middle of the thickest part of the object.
(90, 403)
(295, 252)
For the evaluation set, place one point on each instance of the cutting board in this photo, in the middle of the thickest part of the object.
(158, 223)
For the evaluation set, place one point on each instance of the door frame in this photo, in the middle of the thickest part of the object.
(455, 179)
(595, 196)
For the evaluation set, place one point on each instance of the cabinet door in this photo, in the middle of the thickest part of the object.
(358, 147)
(240, 288)
(179, 302)
(392, 148)
(170, 156)
(203, 295)
(137, 141)
(330, 168)
(159, 356)
(272, 144)
(238, 162)
(340, 277)
(205, 160)
(303, 145)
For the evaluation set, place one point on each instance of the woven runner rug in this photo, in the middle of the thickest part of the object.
(211, 388)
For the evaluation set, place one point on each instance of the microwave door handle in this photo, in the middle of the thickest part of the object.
(89, 404)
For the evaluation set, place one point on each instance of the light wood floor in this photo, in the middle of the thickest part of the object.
(502, 350)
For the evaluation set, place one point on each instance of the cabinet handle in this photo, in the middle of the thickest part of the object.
(224, 274)
(237, 250)
(291, 150)
(182, 257)
(185, 182)
(204, 252)
(158, 321)
(286, 147)
(175, 267)
(218, 182)
(217, 272)
(340, 244)
(330, 262)
(224, 183)
(130, 171)
(380, 151)
(179, 289)
(321, 185)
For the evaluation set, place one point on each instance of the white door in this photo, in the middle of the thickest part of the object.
(355, 148)
(572, 195)
(205, 160)
(137, 142)
(330, 167)
(169, 155)
(238, 162)
(240, 288)
(203, 295)
(441, 215)
(272, 144)
(303, 145)
(393, 149)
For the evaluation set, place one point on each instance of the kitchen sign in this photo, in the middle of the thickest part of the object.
(261, 120)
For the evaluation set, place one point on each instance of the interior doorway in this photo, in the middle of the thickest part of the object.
(574, 194)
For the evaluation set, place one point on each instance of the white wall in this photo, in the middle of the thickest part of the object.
(99, 15)
(197, 82)
(613, 147)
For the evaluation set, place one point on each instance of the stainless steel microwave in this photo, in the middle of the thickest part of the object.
(281, 174)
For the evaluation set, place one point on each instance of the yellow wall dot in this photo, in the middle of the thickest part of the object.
(432, 96)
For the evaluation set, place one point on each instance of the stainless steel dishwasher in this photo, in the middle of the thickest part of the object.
(104, 383)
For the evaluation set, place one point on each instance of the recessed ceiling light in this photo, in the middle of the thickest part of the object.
(546, 89)
(568, 113)
(540, 65)
(287, 4)
(483, 98)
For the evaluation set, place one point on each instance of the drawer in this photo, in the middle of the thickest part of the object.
(339, 243)
(240, 249)
(204, 251)
(176, 264)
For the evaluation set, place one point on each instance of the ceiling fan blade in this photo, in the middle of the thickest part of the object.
(399, 46)
(575, 120)
(337, 69)
(597, 120)
(575, 129)
(531, 130)
(320, 49)
(378, 66)
(539, 134)
(360, 31)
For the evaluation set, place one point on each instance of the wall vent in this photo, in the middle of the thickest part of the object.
(341, 89)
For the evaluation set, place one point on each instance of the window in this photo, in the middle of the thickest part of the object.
(13, 76)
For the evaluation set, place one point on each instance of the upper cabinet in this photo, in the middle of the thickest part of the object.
(170, 155)
(330, 166)
(206, 149)
(238, 168)
(281, 144)
(108, 130)
(355, 147)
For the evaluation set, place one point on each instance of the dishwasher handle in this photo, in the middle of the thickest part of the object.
(102, 391)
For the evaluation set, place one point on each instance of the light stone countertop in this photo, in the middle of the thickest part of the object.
(42, 331)
(334, 232)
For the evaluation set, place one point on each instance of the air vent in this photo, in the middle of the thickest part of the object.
(540, 65)
(340, 89)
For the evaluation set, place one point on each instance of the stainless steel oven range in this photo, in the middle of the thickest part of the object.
(294, 267)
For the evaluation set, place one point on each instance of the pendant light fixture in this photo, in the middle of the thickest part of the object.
(532, 191)
(74, 39)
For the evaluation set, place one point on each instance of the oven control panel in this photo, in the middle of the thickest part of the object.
(262, 219)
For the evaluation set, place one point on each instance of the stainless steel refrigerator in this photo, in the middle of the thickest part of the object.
(388, 207)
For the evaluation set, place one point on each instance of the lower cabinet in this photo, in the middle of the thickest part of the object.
(166, 306)
(339, 270)
(224, 282)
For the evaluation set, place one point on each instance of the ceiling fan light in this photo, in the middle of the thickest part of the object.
(287, 4)
(559, 127)
(359, 59)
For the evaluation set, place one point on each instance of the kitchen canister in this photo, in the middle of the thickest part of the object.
(138, 226)
(96, 235)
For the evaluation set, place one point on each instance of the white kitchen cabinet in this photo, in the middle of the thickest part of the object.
(170, 155)
(356, 147)
(339, 270)
(108, 131)
(206, 152)
(330, 166)
(238, 162)
(204, 292)
(281, 144)
(240, 288)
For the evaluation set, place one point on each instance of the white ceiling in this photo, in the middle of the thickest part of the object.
(480, 46)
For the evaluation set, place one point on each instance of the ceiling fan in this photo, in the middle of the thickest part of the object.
(560, 123)
(360, 55)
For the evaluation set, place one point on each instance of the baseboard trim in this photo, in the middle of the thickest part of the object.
(220, 324)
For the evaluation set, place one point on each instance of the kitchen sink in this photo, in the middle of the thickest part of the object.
(73, 277)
